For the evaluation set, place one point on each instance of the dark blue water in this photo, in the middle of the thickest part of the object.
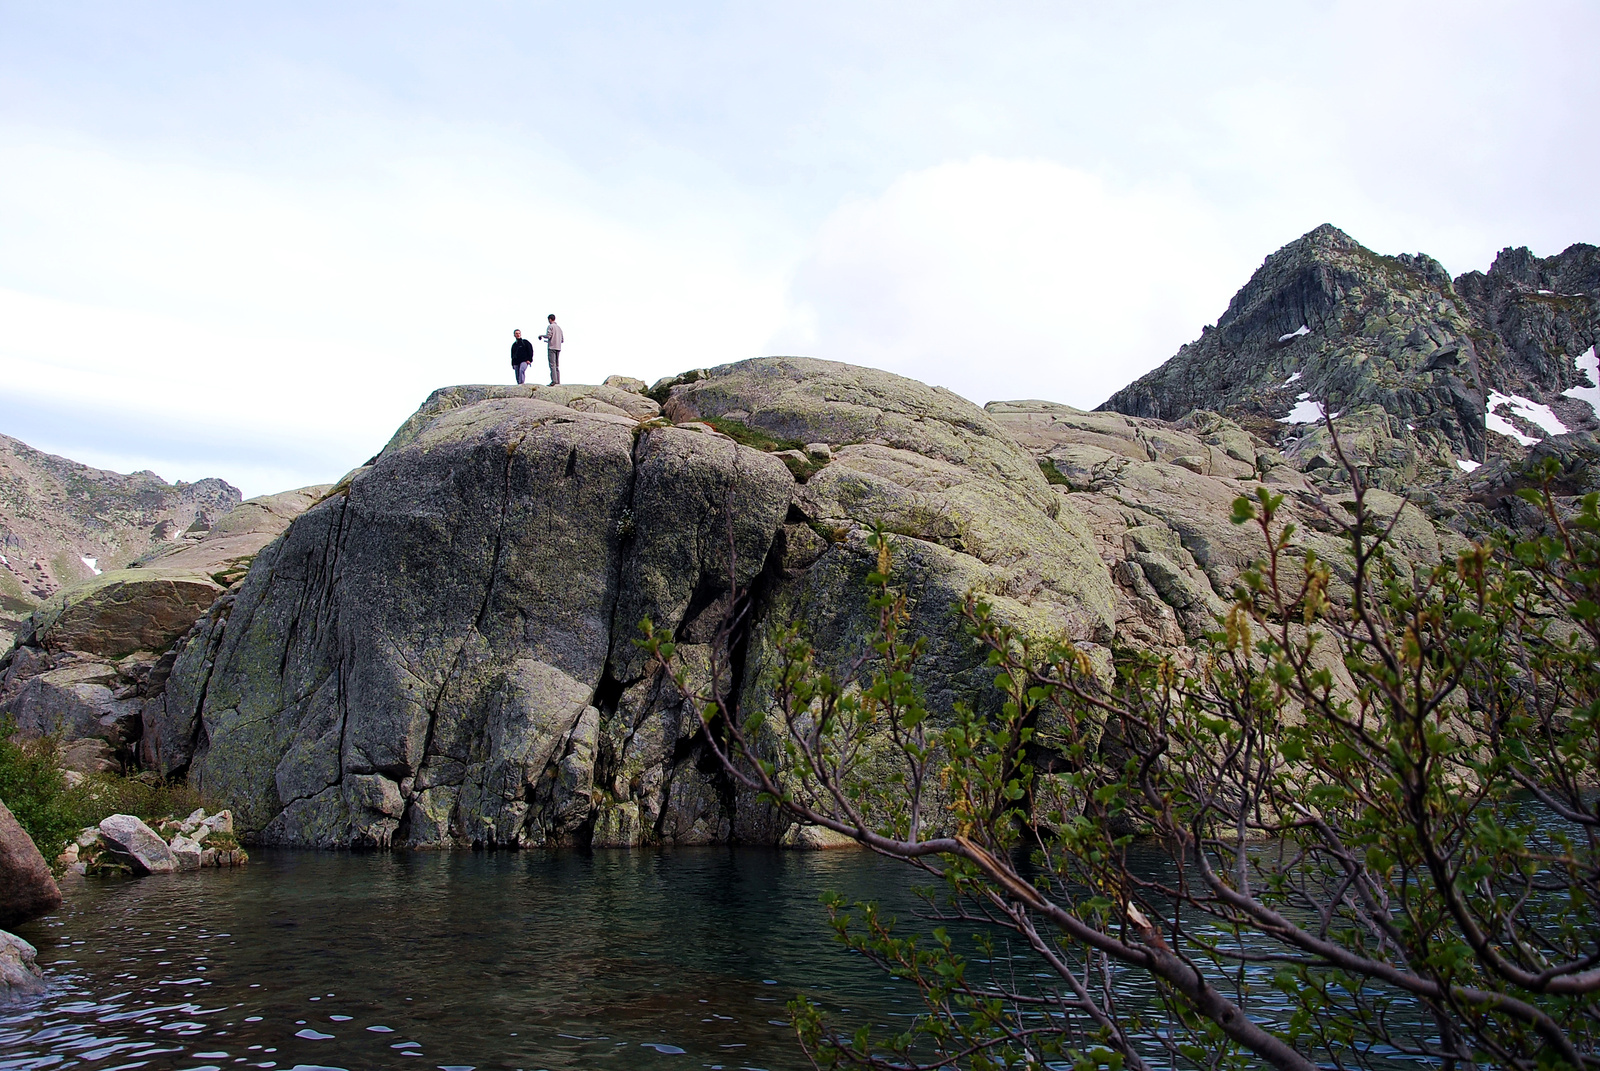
(673, 959)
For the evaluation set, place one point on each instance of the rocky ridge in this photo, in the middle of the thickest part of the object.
(64, 522)
(1427, 376)
(90, 658)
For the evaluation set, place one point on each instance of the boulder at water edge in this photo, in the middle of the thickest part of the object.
(19, 973)
(26, 888)
(149, 854)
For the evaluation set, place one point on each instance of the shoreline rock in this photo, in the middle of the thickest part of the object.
(27, 888)
(20, 975)
(123, 844)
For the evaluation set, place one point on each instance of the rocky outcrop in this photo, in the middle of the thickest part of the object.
(427, 652)
(1158, 498)
(224, 551)
(441, 652)
(63, 522)
(27, 889)
(1426, 376)
(1535, 314)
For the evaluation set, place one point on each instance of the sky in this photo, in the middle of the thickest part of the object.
(247, 241)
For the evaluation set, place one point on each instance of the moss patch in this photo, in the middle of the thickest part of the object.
(1052, 474)
(663, 390)
(802, 468)
(745, 435)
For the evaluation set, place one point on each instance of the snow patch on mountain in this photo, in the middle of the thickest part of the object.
(1305, 411)
(1589, 365)
(1533, 412)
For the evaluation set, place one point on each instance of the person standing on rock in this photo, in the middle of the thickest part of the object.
(521, 355)
(552, 340)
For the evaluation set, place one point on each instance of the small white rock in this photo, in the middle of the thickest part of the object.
(187, 853)
(819, 451)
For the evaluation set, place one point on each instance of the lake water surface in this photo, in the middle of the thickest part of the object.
(642, 959)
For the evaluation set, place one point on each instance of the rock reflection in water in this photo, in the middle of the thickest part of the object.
(487, 960)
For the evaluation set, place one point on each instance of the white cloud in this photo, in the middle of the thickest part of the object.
(249, 244)
(1014, 278)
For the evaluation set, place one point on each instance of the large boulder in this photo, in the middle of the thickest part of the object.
(225, 550)
(27, 889)
(441, 652)
(142, 846)
(427, 656)
(966, 510)
(77, 701)
(120, 612)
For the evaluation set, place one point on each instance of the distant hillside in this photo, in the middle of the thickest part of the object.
(1431, 374)
(61, 522)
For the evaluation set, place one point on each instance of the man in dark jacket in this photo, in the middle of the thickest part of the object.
(521, 355)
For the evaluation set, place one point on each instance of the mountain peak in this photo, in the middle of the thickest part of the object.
(1326, 323)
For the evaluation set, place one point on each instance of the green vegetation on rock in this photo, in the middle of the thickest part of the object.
(1053, 474)
(755, 438)
(52, 810)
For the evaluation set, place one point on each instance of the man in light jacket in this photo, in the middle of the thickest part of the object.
(552, 340)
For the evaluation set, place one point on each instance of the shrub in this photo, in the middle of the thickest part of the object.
(52, 812)
(145, 795)
(34, 788)
(1343, 833)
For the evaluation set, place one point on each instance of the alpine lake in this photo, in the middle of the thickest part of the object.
(470, 961)
(615, 959)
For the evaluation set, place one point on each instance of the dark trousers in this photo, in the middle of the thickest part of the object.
(555, 367)
(522, 370)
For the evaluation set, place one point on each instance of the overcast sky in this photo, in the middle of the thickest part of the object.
(247, 240)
